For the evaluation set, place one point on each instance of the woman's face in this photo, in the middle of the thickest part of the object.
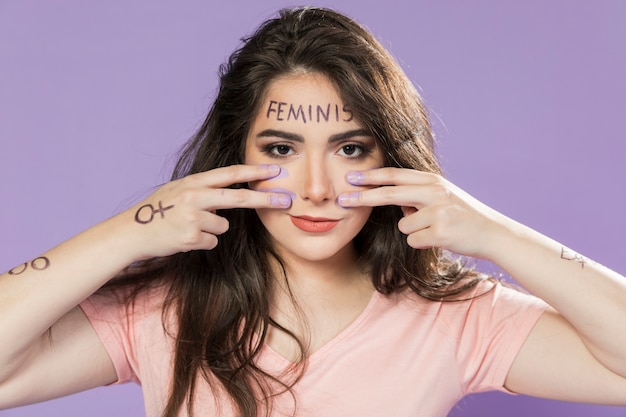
(304, 127)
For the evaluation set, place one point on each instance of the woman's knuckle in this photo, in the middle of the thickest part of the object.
(388, 194)
(190, 238)
(190, 181)
(437, 233)
(192, 218)
(392, 174)
(240, 196)
(187, 196)
(441, 191)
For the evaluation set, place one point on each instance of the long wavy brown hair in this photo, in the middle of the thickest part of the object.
(220, 297)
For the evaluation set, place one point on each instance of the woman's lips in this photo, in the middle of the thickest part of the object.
(313, 224)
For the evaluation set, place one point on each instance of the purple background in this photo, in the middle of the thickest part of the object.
(527, 97)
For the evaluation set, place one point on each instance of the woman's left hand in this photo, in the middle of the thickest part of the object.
(436, 212)
(575, 352)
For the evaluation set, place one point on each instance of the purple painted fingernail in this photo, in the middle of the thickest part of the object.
(347, 199)
(273, 169)
(355, 177)
(279, 190)
(282, 200)
(282, 174)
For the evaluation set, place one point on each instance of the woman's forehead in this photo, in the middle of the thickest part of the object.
(302, 88)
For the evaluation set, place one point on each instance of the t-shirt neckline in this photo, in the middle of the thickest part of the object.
(328, 346)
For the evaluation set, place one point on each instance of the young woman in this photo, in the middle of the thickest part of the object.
(300, 263)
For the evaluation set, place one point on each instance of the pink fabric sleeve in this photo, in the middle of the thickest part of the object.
(109, 317)
(490, 332)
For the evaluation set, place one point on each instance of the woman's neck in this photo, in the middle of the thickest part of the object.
(316, 300)
(338, 276)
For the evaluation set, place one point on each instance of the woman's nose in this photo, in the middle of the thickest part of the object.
(317, 185)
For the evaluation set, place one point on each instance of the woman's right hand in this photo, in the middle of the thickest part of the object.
(44, 293)
(180, 215)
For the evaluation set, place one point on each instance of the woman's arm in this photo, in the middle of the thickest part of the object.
(555, 363)
(43, 293)
(585, 340)
(71, 358)
(590, 296)
(36, 294)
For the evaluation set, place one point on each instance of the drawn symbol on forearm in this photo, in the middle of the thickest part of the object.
(569, 255)
(38, 264)
(145, 214)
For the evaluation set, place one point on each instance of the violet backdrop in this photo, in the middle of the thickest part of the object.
(527, 99)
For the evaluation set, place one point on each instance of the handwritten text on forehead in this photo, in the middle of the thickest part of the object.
(308, 113)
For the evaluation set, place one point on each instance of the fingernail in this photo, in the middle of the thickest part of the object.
(282, 200)
(347, 199)
(355, 177)
(283, 173)
(273, 169)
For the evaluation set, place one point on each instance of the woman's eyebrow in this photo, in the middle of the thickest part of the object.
(280, 134)
(299, 138)
(349, 134)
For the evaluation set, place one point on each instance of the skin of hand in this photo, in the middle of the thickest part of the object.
(436, 212)
(180, 216)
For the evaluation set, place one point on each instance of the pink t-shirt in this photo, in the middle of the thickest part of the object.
(403, 356)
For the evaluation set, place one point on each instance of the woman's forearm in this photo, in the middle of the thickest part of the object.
(590, 296)
(179, 216)
(37, 293)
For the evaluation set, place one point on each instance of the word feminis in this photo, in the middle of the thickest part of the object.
(308, 113)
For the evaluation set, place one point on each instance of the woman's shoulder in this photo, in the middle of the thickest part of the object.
(130, 301)
(485, 294)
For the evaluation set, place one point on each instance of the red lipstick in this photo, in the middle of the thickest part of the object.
(313, 224)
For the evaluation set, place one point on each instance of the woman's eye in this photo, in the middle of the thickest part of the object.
(282, 149)
(279, 150)
(352, 151)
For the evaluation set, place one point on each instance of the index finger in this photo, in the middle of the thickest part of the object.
(245, 198)
(391, 176)
(398, 195)
(234, 174)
